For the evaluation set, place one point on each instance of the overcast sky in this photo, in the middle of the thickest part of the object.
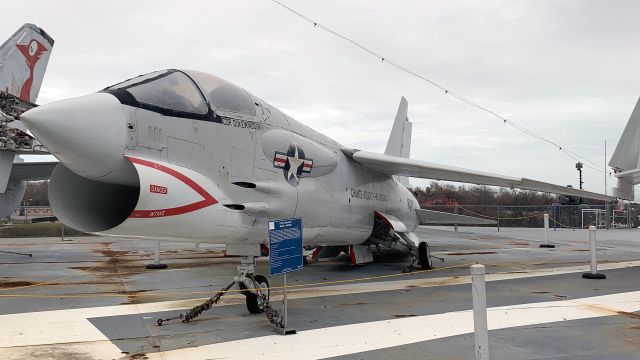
(567, 70)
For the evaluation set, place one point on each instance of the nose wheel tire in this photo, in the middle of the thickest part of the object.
(255, 302)
(424, 256)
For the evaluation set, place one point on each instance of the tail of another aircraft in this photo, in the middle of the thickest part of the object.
(399, 143)
(626, 157)
(23, 61)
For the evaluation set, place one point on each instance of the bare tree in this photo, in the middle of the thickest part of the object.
(38, 193)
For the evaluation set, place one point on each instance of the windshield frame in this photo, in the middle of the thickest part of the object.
(126, 98)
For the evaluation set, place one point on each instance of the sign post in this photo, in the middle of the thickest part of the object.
(285, 255)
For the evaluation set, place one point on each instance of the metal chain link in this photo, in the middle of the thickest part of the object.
(273, 315)
(195, 311)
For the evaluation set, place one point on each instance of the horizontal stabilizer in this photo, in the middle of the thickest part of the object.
(393, 165)
(32, 171)
(431, 217)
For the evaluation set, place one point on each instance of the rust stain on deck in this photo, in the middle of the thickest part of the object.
(7, 284)
(629, 314)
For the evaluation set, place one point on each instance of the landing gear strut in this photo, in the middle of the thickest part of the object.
(255, 288)
(420, 254)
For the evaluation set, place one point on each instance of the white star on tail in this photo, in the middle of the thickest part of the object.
(294, 164)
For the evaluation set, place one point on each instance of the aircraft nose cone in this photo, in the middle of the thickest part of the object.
(87, 134)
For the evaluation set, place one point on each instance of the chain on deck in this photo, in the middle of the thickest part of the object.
(195, 311)
(273, 315)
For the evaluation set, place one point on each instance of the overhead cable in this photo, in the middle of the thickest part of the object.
(447, 91)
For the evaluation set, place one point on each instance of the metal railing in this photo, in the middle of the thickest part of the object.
(560, 216)
(39, 221)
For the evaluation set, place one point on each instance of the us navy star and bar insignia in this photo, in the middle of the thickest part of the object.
(293, 163)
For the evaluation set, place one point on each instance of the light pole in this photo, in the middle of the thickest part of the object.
(579, 168)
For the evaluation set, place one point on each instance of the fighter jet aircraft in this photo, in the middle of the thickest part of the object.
(187, 156)
(23, 61)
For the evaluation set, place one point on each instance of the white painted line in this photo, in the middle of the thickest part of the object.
(368, 287)
(57, 326)
(357, 338)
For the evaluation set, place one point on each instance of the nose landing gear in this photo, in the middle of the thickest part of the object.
(255, 288)
(256, 301)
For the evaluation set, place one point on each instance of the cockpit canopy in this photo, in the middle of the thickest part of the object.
(185, 94)
(223, 95)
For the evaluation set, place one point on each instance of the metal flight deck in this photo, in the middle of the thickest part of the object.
(92, 298)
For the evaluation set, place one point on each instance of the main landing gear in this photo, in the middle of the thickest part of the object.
(255, 288)
(422, 255)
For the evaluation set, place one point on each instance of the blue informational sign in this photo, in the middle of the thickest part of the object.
(285, 246)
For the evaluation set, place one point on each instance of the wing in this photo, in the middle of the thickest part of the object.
(393, 165)
(32, 170)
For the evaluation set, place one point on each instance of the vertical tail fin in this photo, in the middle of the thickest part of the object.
(399, 143)
(626, 157)
(627, 153)
(23, 61)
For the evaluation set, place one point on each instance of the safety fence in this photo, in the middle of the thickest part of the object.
(560, 216)
(49, 229)
(35, 221)
(41, 221)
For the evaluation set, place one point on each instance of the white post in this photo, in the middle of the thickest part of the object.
(481, 332)
(455, 211)
(593, 274)
(605, 166)
(197, 246)
(546, 233)
(156, 258)
(593, 249)
(546, 228)
(156, 254)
